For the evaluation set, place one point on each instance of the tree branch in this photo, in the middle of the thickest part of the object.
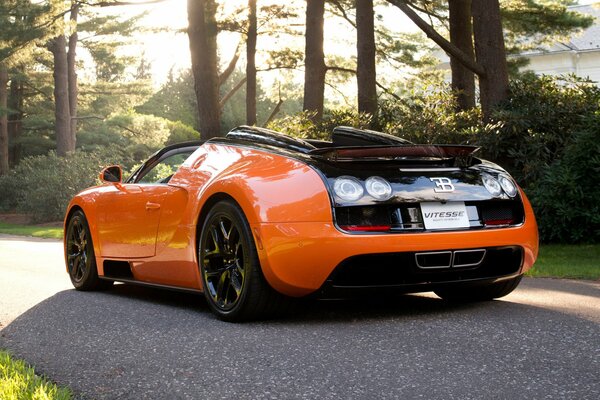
(119, 3)
(229, 95)
(274, 68)
(451, 49)
(231, 67)
(343, 12)
(340, 69)
(388, 91)
(275, 110)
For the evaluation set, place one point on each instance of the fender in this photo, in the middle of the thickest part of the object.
(270, 188)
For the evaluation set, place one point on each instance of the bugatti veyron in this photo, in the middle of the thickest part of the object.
(257, 218)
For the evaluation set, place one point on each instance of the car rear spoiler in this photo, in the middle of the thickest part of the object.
(462, 154)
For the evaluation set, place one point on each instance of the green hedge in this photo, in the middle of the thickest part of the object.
(42, 186)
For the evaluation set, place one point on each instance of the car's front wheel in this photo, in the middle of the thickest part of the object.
(234, 285)
(80, 257)
(480, 292)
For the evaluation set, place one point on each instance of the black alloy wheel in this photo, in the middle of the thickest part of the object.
(224, 258)
(80, 257)
(233, 282)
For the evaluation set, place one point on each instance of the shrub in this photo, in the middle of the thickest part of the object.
(565, 197)
(42, 186)
(180, 132)
(302, 126)
(429, 115)
(540, 121)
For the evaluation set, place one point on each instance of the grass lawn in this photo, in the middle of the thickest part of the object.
(18, 381)
(568, 261)
(31, 230)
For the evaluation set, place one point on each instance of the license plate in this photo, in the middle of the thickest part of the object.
(452, 214)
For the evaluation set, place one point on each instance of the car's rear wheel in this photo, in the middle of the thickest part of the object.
(80, 257)
(485, 292)
(234, 285)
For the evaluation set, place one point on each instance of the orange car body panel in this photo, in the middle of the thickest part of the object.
(286, 204)
(298, 257)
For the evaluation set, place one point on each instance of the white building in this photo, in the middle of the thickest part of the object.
(580, 55)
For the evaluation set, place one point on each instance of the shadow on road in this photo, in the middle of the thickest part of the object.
(360, 308)
(137, 342)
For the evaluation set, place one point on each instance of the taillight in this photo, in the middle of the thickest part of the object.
(499, 221)
(366, 228)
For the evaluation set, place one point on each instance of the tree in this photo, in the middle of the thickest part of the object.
(25, 24)
(366, 75)
(270, 19)
(72, 72)
(522, 17)
(62, 114)
(251, 64)
(176, 100)
(202, 32)
(65, 84)
(461, 34)
(3, 119)
(376, 44)
(490, 54)
(15, 116)
(489, 44)
(314, 64)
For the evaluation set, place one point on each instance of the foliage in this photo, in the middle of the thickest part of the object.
(540, 120)
(19, 381)
(529, 24)
(175, 101)
(26, 24)
(234, 110)
(565, 197)
(301, 125)
(42, 186)
(137, 134)
(427, 114)
(180, 132)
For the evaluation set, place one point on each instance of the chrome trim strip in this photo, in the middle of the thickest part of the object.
(483, 252)
(447, 169)
(434, 253)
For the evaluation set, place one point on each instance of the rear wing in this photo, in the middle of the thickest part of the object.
(461, 154)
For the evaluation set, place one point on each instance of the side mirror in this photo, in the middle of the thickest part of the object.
(112, 174)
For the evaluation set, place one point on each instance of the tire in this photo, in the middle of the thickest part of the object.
(485, 292)
(80, 257)
(234, 285)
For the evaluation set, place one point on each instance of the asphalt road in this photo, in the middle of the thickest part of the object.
(540, 342)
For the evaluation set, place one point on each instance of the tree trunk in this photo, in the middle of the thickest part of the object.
(62, 124)
(366, 73)
(432, 34)
(491, 54)
(3, 119)
(15, 119)
(72, 73)
(314, 64)
(202, 33)
(251, 64)
(461, 35)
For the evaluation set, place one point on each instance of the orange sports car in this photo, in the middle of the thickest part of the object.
(257, 218)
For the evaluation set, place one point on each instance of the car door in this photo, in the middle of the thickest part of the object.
(129, 219)
(130, 213)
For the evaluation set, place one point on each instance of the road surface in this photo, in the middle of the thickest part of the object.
(540, 342)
